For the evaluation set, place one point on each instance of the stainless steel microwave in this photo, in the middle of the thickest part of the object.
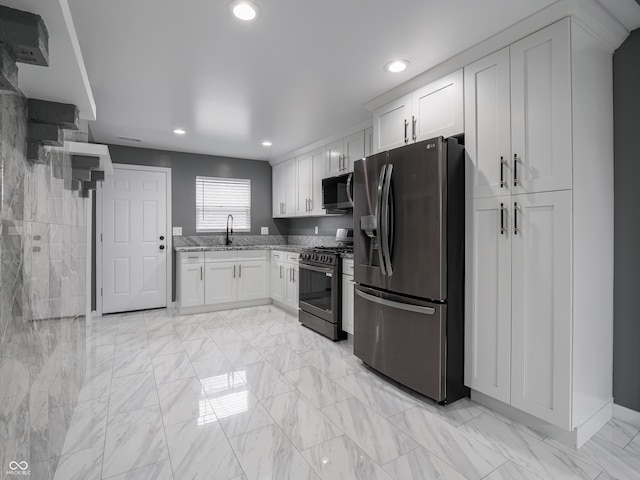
(337, 193)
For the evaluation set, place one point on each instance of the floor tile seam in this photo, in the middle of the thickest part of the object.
(637, 435)
(431, 451)
(164, 431)
(574, 455)
(382, 465)
(515, 425)
(502, 465)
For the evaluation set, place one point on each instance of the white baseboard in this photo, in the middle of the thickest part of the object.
(626, 415)
(573, 438)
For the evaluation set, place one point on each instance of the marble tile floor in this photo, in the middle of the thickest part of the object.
(250, 394)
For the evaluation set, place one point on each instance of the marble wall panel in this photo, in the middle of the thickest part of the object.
(42, 297)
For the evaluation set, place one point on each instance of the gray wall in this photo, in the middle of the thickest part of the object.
(184, 169)
(626, 327)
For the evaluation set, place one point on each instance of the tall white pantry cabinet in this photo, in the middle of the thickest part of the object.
(539, 253)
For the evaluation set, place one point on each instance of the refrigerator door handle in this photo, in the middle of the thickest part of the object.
(379, 226)
(385, 219)
(400, 306)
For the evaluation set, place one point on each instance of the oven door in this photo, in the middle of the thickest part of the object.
(318, 294)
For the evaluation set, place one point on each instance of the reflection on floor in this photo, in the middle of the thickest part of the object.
(251, 394)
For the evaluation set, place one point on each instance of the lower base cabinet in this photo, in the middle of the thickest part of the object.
(347, 295)
(284, 279)
(222, 278)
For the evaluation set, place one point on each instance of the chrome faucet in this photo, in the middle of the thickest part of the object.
(229, 230)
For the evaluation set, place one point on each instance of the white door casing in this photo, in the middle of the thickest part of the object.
(134, 272)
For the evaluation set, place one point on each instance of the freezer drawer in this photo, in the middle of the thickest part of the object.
(402, 338)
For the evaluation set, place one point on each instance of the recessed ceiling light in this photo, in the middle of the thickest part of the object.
(396, 66)
(244, 10)
(267, 143)
(179, 131)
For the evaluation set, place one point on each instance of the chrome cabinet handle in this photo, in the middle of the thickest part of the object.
(516, 182)
(406, 124)
(502, 227)
(200, 273)
(293, 275)
(516, 207)
(281, 273)
(310, 205)
(234, 271)
(503, 162)
(413, 128)
(239, 271)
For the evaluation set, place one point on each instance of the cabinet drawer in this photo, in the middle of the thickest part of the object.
(224, 256)
(277, 256)
(292, 257)
(191, 257)
(347, 266)
(252, 255)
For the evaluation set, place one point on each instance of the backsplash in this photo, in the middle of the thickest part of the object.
(42, 288)
(244, 240)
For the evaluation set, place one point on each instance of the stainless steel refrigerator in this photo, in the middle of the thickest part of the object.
(409, 266)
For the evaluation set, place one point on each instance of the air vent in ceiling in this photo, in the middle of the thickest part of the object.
(129, 139)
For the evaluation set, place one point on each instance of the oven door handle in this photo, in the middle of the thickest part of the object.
(327, 270)
(400, 306)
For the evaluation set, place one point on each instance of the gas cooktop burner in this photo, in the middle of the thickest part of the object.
(324, 255)
(337, 250)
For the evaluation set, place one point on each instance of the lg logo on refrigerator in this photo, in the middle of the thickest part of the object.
(430, 146)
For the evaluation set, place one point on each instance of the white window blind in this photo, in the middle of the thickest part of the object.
(218, 197)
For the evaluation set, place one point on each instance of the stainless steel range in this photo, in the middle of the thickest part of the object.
(320, 290)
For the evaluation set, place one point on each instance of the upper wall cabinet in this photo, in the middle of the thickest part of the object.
(518, 116)
(342, 153)
(311, 168)
(284, 189)
(434, 110)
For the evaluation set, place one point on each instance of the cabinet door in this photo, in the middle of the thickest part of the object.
(368, 142)
(291, 288)
(488, 297)
(252, 280)
(347, 303)
(541, 110)
(353, 150)
(335, 157)
(303, 194)
(290, 188)
(191, 284)
(438, 109)
(278, 279)
(278, 190)
(488, 125)
(391, 127)
(541, 306)
(318, 172)
(220, 282)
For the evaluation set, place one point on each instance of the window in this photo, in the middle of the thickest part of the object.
(218, 197)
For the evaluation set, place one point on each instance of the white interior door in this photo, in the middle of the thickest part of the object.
(134, 243)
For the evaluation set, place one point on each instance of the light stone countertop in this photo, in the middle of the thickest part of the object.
(224, 248)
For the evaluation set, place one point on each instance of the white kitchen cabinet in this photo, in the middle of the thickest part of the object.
(284, 279)
(437, 109)
(347, 295)
(190, 279)
(541, 111)
(538, 294)
(311, 168)
(252, 280)
(488, 297)
(541, 306)
(488, 125)
(220, 282)
(368, 142)
(342, 153)
(284, 184)
(277, 276)
(222, 279)
(391, 124)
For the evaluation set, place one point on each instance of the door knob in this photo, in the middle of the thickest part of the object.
(161, 237)
(161, 247)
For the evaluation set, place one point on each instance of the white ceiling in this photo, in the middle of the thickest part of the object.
(302, 72)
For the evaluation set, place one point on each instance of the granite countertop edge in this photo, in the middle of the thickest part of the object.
(226, 248)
